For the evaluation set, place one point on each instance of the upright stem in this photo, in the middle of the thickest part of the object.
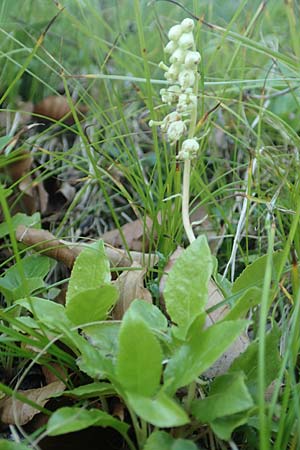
(185, 201)
(186, 176)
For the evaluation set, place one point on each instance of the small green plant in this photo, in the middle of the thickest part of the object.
(246, 170)
(145, 360)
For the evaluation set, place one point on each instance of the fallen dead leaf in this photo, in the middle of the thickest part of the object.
(66, 252)
(57, 108)
(14, 411)
(20, 166)
(118, 409)
(131, 286)
(221, 366)
(50, 376)
(136, 234)
(32, 195)
(45, 242)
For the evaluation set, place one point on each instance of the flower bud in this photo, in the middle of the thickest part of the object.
(190, 146)
(186, 78)
(171, 94)
(172, 73)
(187, 25)
(178, 56)
(176, 130)
(183, 156)
(192, 59)
(175, 32)
(186, 40)
(170, 47)
(172, 117)
(186, 102)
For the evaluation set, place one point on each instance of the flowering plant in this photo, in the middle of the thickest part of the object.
(182, 75)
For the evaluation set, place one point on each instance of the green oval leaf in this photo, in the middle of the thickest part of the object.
(139, 359)
(161, 411)
(200, 352)
(186, 290)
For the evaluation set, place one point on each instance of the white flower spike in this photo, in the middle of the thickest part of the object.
(182, 76)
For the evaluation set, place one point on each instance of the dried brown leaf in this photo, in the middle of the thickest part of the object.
(221, 366)
(21, 166)
(66, 252)
(14, 411)
(45, 242)
(50, 376)
(136, 234)
(57, 107)
(67, 191)
(131, 286)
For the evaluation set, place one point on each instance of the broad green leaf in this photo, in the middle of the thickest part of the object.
(250, 298)
(229, 395)
(248, 361)
(161, 411)
(90, 271)
(91, 304)
(93, 362)
(186, 290)
(183, 444)
(151, 314)
(200, 352)
(104, 336)
(21, 219)
(139, 359)
(13, 289)
(91, 390)
(9, 445)
(34, 266)
(70, 419)
(253, 275)
(51, 314)
(224, 426)
(161, 440)
(34, 269)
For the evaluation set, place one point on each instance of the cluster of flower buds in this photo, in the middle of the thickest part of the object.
(182, 77)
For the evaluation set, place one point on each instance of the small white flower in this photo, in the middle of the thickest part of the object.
(170, 118)
(186, 102)
(172, 73)
(183, 156)
(187, 25)
(186, 78)
(175, 32)
(171, 94)
(190, 146)
(170, 47)
(186, 40)
(192, 59)
(176, 130)
(178, 56)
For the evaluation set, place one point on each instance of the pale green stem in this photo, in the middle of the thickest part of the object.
(186, 177)
(185, 201)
